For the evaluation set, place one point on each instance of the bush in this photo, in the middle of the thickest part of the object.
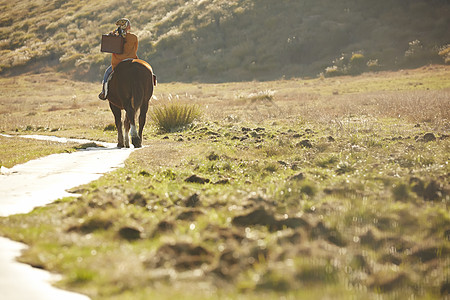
(174, 116)
(345, 65)
(418, 55)
(444, 52)
(357, 64)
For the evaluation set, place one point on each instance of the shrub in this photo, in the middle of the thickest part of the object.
(357, 64)
(418, 55)
(400, 191)
(444, 52)
(347, 65)
(174, 116)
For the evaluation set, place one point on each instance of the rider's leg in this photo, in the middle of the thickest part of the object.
(104, 92)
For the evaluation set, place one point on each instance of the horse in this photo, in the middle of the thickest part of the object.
(130, 89)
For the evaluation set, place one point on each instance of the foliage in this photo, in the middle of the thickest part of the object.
(222, 40)
(174, 116)
(445, 53)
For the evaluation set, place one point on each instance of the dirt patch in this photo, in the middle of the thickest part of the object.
(181, 256)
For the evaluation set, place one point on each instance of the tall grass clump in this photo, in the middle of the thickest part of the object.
(174, 117)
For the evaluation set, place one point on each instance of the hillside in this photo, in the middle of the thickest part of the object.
(222, 40)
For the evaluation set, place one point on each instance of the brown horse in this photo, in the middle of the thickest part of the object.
(130, 89)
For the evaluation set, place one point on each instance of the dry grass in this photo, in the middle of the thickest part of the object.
(324, 188)
(174, 116)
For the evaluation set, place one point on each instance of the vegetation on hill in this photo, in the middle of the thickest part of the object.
(222, 40)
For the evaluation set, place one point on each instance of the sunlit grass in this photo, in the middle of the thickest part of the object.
(174, 116)
(339, 196)
(10, 155)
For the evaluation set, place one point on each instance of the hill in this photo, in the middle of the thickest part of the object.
(222, 40)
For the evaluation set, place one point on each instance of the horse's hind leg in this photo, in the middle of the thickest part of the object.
(142, 118)
(135, 139)
(127, 129)
(118, 120)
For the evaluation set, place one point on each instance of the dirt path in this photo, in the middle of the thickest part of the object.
(37, 183)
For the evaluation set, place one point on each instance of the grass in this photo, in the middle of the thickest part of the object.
(173, 116)
(34, 149)
(296, 193)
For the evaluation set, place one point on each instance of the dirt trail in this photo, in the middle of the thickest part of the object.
(37, 183)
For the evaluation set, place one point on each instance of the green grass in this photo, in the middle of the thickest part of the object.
(359, 210)
(11, 156)
(174, 116)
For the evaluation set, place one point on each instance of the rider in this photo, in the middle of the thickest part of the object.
(129, 51)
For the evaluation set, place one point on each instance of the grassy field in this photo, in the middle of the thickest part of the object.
(321, 188)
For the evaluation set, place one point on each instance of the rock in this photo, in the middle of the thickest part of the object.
(212, 133)
(294, 223)
(432, 191)
(184, 256)
(292, 238)
(223, 181)
(391, 258)
(417, 186)
(305, 144)
(213, 156)
(297, 177)
(429, 191)
(360, 262)
(387, 284)
(130, 233)
(371, 238)
(196, 179)
(144, 173)
(137, 199)
(192, 201)
(164, 226)
(428, 253)
(330, 139)
(283, 163)
(92, 224)
(429, 137)
(189, 215)
(329, 234)
(258, 216)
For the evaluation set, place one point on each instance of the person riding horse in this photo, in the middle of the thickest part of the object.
(129, 51)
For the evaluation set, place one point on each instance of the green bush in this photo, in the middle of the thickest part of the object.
(444, 52)
(174, 117)
(357, 64)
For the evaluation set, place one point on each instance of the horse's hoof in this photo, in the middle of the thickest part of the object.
(119, 145)
(136, 142)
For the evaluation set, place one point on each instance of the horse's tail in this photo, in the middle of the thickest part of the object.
(141, 90)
